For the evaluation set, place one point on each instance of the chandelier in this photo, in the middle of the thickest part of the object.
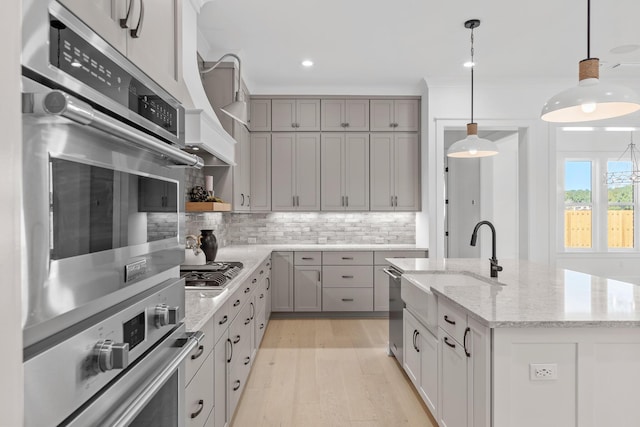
(629, 176)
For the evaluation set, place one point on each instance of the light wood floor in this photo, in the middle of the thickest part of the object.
(328, 372)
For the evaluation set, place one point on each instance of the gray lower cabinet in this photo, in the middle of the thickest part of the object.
(282, 281)
(347, 281)
(307, 288)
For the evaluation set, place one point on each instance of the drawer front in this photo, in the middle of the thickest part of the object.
(261, 326)
(238, 374)
(380, 256)
(240, 331)
(199, 395)
(221, 321)
(347, 299)
(199, 354)
(452, 319)
(260, 295)
(347, 277)
(307, 258)
(239, 297)
(347, 258)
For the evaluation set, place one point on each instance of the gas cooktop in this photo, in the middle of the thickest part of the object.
(212, 274)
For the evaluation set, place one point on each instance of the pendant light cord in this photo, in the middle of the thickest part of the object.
(588, 29)
(472, 67)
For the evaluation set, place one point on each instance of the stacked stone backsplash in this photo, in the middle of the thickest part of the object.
(307, 227)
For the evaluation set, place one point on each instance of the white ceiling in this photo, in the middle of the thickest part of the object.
(392, 45)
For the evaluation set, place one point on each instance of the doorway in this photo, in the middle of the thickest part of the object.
(482, 189)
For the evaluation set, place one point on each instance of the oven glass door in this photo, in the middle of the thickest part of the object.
(95, 209)
(163, 409)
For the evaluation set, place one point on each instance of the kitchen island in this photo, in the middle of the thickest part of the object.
(535, 346)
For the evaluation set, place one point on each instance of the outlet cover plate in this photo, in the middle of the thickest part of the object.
(543, 371)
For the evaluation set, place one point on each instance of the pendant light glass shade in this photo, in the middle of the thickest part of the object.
(472, 146)
(590, 100)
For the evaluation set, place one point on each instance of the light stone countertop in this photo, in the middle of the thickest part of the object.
(527, 294)
(201, 305)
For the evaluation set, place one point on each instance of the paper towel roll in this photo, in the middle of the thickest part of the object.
(208, 183)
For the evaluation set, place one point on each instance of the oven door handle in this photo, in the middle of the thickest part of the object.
(391, 273)
(59, 103)
(129, 414)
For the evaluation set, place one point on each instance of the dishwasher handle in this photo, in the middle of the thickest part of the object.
(392, 273)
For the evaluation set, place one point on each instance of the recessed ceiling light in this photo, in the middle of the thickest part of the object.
(469, 64)
(307, 63)
(627, 48)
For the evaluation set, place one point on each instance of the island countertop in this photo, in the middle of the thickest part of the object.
(526, 294)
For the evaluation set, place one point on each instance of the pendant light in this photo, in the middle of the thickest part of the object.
(631, 176)
(472, 146)
(591, 99)
(237, 110)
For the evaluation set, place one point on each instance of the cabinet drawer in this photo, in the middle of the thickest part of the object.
(199, 354)
(347, 299)
(261, 295)
(352, 276)
(452, 319)
(347, 258)
(221, 321)
(380, 256)
(261, 326)
(199, 395)
(238, 374)
(240, 331)
(307, 258)
(239, 297)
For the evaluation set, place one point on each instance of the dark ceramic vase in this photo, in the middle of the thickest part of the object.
(209, 244)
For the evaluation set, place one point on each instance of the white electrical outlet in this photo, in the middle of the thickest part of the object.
(252, 240)
(543, 371)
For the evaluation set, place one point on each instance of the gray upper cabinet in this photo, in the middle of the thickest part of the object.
(260, 172)
(395, 172)
(394, 115)
(340, 115)
(157, 49)
(295, 115)
(345, 171)
(260, 113)
(295, 171)
(242, 169)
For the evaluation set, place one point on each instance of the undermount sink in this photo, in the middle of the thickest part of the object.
(462, 278)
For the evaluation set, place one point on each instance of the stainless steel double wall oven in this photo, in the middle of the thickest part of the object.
(103, 218)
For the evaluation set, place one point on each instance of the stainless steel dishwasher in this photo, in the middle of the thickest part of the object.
(396, 305)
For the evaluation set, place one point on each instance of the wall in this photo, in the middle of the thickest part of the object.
(11, 391)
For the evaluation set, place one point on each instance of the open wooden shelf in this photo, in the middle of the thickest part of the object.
(207, 207)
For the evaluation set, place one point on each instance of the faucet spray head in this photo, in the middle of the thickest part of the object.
(474, 237)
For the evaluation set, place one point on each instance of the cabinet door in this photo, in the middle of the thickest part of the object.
(428, 345)
(157, 50)
(308, 115)
(260, 113)
(242, 169)
(411, 351)
(155, 195)
(220, 357)
(260, 172)
(283, 115)
(308, 289)
(381, 189)
(199, 394)
(479, 379)
(333, 115)
(406, 115)
(452, 384)
(282, 281)
(356, 171)
(406, 166)
(380, 289)
(103, 17)
(331, 155)
(357, 115)
(268, 302)
(282, 177)
(381, 115)
(307, 171)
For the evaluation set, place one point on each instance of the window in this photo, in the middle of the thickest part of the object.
(596, 215)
